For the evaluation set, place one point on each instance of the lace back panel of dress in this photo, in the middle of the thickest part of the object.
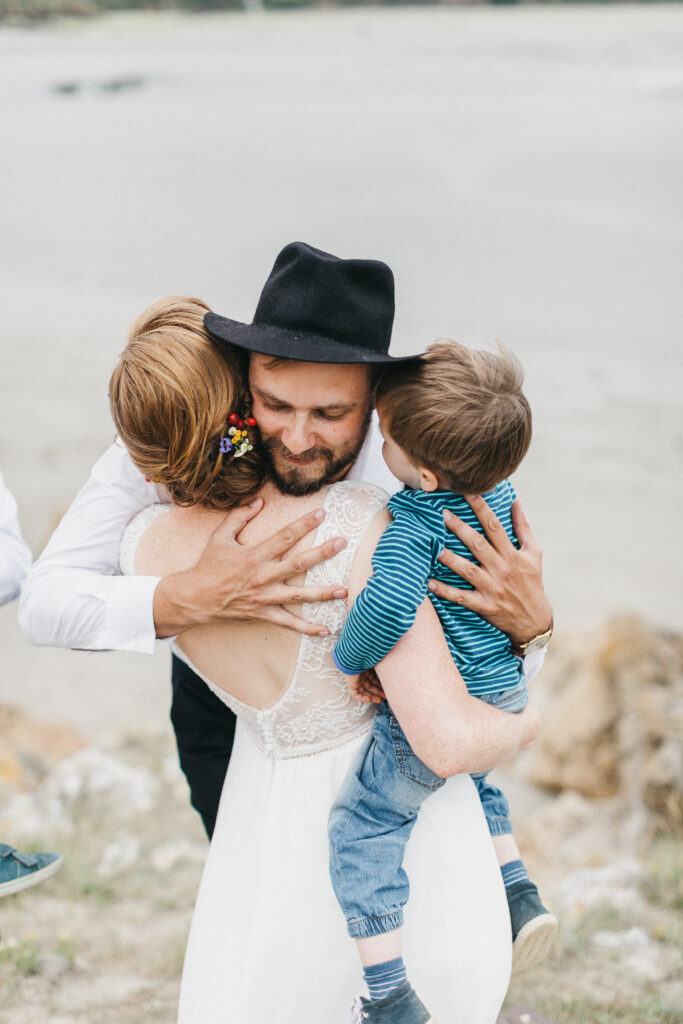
(317, 711)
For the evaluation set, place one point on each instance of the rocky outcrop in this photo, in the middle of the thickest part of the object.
(29, 749)
(613, 720)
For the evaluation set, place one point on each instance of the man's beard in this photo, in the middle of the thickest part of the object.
(294, 481)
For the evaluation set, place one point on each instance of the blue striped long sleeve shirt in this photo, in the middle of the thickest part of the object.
(404, 561)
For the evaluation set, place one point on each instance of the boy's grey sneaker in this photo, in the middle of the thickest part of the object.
(401, 1006)
(533, 927)
(20, 870)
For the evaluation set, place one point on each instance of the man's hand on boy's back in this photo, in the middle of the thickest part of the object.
(508, 583)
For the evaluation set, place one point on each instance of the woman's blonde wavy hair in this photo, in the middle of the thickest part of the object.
(171, 395)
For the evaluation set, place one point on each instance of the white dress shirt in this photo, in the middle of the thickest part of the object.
(75, 595)
(15, 556)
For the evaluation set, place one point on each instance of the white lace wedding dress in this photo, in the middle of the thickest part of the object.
(268, 943)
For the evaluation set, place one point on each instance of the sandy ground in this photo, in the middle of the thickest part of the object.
(519, 169)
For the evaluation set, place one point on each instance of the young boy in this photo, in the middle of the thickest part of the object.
(455, 424)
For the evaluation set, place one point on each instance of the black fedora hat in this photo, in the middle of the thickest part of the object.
(318, 308)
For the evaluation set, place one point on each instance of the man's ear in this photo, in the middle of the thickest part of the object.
(429, 481)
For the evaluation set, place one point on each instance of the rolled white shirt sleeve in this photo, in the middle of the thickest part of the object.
(74, 596)
(15, 554)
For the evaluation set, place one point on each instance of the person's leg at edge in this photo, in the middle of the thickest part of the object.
(370, 824)
(205, 731)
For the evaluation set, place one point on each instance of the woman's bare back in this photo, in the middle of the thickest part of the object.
(253, 661)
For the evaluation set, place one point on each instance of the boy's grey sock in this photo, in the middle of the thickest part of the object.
(513, 873)
(382, 979)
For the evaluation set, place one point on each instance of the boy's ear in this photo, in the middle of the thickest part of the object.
(429, 481)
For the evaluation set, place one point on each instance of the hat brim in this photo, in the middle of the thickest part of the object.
(304, 346)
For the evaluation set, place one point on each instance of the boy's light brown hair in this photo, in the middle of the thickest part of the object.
(459, 412)
(171, 395)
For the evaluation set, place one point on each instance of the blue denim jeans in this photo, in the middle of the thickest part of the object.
(373, 816)
(492, 800)
(370, 823)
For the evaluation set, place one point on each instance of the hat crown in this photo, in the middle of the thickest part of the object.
(315, 293)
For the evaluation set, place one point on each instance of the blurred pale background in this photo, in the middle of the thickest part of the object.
(519, 168)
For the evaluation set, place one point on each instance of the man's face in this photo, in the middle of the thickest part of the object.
(313, 418)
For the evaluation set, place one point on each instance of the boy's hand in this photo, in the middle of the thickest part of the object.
(508, 585)
(366, 687)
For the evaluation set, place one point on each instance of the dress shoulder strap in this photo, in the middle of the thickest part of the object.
(133, 532)
(350, 507)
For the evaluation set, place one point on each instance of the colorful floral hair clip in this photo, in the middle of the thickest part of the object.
(237, 440)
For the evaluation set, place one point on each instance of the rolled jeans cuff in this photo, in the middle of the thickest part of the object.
(364, 927)
(499, 826)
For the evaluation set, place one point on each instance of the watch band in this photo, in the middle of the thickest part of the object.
(537, 643)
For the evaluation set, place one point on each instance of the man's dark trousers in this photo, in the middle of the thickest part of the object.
(205, 732)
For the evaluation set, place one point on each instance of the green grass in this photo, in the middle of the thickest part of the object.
(664, 883)
(65, 945)
(649, 1010)
(20, 958)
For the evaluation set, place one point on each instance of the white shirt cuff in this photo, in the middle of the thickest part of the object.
(533, 663)
(128, 620)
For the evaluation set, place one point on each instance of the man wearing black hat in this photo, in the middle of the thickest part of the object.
(316, 309)
(320, 332)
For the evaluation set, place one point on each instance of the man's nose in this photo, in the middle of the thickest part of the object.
(298, 436)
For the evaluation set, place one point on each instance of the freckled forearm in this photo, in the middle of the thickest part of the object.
(477, 738)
